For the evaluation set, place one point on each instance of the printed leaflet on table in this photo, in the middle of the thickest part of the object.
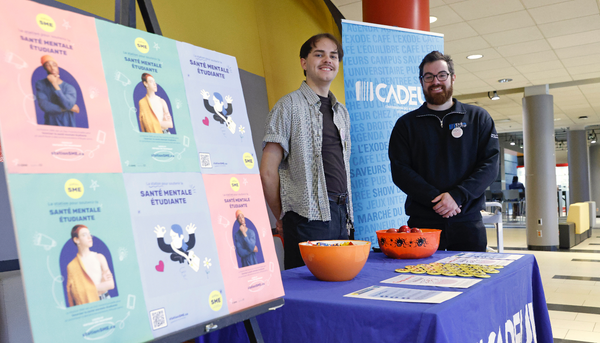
(403, 295)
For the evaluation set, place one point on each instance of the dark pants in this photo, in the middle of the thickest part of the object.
(461, 236)
(297, 229)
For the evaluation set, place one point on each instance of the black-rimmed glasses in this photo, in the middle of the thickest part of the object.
(441, 76)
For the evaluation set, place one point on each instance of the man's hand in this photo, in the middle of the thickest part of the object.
(75, 108)
(54, 80)
(279, 227)
(446, 206)
(255, 248)
(244, 229)
(205, 94)
(160, 231)
(190, 228)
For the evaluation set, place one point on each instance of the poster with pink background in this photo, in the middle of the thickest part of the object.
(56, 116)
(244, 240)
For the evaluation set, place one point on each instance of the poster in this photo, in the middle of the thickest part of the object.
(381, 79)
(77, 258)
(244, 239)
(218, 111)
(56, 116)
(148, 100)
(175, 243)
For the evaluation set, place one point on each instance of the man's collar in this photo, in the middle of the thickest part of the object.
(312, 97)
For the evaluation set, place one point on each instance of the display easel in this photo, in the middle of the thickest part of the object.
(125, 14)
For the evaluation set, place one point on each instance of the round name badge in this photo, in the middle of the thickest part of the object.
(457, 132)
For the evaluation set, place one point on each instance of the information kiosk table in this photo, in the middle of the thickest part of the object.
(507, 307)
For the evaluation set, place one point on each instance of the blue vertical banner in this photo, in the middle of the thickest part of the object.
(381, 78)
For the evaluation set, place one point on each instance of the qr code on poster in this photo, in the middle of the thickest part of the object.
(205, 160)
(158, 318)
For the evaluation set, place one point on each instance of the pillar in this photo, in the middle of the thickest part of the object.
(579, 168)
(595, 175)
(540, 169)
(410, 14)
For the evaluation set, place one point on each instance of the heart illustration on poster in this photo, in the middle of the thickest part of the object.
(160, 266)
(205, 121)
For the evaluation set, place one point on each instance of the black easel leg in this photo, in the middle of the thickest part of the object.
(253, 330)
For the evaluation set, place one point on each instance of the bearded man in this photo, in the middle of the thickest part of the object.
(443, 156)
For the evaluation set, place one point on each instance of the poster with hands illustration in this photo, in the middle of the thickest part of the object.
(218, 111)
(175, 244)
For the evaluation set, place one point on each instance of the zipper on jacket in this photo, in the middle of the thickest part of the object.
(438, 118)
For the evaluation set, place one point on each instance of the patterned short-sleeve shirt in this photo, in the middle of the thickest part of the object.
(296, 123)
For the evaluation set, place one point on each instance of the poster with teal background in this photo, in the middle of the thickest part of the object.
(176, 249)
(218, 111)
(381, 79)
(148, 100)
(78, 258)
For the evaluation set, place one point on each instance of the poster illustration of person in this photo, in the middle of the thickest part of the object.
(154, 114)
(179, 249)
(78, 258)
(246, 241)
(89, 277)
(58, 96)
(243, 236)
(56, 115)
(154, 130)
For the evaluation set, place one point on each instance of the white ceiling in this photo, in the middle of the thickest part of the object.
(533, 42)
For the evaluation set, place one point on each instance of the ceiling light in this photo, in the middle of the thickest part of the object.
(504, 80)
(432, 19)
(593, 137)
(493, 96)
(502, 120)
(583, 117)
(474, 57)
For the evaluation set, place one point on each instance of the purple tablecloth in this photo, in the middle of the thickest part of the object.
(508, 307)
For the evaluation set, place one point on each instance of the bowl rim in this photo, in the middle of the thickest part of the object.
(428, 230)
(335, 240)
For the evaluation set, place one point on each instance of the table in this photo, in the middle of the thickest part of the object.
(316, 311)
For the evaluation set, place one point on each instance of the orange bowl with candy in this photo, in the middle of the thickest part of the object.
(335, 260)
(409, 245)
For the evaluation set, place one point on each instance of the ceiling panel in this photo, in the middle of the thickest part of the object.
(499, 23)
(508, 37)
(534, 42)
(566, 27)
(563, 10)
(476, 9)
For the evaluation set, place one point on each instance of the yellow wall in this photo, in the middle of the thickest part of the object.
(264, 35)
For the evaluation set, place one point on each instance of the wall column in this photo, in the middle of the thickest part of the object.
(540, 169)
(410, 14)
(579, 168)
(595, 175)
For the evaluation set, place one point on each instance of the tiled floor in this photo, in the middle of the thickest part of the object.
(571, 280)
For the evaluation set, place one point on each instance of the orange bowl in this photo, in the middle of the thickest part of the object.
(409, 245)
(335, 263)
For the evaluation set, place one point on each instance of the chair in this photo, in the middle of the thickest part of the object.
(495, 217)
(511, 196)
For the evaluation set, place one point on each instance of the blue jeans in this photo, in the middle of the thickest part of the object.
(297, 229)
